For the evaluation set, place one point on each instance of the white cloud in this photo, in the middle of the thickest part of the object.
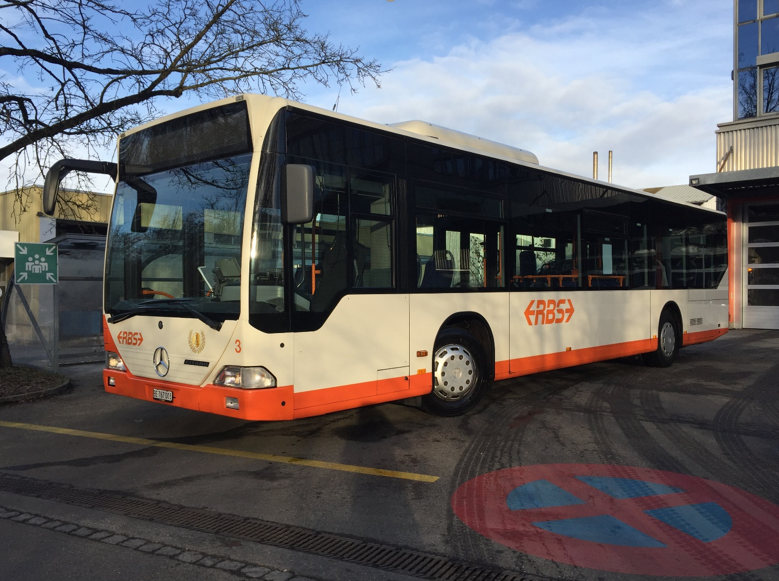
(646, 85)
(649, 81)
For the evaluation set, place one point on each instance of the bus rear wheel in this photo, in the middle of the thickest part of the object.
(668, 342)
(459, 374)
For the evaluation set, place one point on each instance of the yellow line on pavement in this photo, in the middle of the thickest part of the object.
(223, 452)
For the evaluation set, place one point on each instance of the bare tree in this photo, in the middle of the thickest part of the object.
(101, 68)
(75, 73)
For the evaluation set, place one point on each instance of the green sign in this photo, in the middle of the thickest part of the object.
(35, 263)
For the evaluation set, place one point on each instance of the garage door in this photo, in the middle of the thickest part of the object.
(761, 309)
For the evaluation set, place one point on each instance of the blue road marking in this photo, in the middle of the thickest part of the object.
(621, 488)
(706, 522)
(540, 494)
(600, 529)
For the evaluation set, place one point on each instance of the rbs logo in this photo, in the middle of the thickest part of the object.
(129, 338)
(551, 312)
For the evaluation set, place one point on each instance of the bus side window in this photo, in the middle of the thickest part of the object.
(372, 252)
(371, 201)
(545, 262)
(325, 240)
(604, 250)
(455, 252)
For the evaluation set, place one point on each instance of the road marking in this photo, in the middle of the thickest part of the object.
(224, 452)
(622, 519)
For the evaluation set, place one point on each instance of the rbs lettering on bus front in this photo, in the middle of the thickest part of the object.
(551, 312)
(129, 338)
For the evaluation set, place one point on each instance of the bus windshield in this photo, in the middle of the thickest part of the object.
(175, 240)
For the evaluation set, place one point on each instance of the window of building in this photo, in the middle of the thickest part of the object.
(757, 58)
(771, 90)
(763, 255)
(747, 10)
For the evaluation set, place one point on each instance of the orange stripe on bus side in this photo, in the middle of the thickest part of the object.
(551, 361)
(335, 399)
(702, 336)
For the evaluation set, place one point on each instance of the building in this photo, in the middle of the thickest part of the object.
(747, 172)
(79, 229)
(22, 220)
(687, 194)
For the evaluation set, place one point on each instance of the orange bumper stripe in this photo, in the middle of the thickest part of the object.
(255, 404)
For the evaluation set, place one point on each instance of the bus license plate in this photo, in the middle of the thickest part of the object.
(162, 395)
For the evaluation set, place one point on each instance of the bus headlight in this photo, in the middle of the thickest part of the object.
(114, 361)
(245, 377)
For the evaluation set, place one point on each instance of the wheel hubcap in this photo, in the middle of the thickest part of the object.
(455, 372)
(668, 339)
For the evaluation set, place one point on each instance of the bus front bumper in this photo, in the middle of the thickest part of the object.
(269, 404)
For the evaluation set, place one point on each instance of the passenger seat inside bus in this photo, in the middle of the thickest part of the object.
(439, 269)
(227, 272)
(527, 263)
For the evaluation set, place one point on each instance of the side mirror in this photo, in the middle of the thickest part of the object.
(51, 186)
(298, 203)
(64, 166)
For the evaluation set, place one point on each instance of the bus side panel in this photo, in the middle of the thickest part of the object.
(661, 299)
(704, 312)
(430, 311)
(707, 317)
(364, 342)
(550, 330)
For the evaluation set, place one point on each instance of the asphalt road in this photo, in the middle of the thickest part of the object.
(606, 471)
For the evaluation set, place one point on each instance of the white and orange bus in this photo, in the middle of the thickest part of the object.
(269, 260)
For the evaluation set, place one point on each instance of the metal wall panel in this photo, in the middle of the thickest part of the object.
(753, 146)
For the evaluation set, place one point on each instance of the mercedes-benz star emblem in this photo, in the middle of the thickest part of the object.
(161, 361)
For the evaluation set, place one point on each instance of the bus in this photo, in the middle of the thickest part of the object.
(269, 260)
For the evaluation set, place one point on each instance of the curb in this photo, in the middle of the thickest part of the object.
(36, 394)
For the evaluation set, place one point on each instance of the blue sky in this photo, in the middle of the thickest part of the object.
(648, 80)
(561, 78)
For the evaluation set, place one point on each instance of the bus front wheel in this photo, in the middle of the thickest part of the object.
(459, 374)
(668, 342)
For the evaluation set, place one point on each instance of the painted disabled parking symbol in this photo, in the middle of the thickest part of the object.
(622, 519)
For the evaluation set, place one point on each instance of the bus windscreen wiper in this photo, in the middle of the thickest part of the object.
(216, 325)
(147, 306)
(127, 315)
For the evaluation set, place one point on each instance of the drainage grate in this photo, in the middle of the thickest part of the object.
(385, 557)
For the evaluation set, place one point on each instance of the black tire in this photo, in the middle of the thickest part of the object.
(459, 374)
(668, 342)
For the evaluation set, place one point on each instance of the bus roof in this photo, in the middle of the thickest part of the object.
(465, 140)
(426, 132)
